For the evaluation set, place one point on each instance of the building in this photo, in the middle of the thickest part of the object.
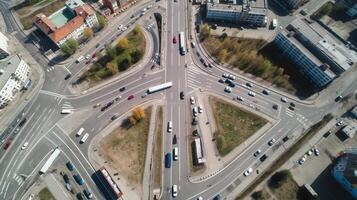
(354, 112)
(244, 11)
(112, 5)
(293, 4)
(319, 57)
(352, 11)
(350, 130)
(345, 172)
(14, 73)
(4, 47)
(68, 22)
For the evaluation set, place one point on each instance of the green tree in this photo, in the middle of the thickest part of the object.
(279, 178)
(102, 21)
(69, 47)
(111, 52)
(123, 44)
(88, 33)
(112, 67)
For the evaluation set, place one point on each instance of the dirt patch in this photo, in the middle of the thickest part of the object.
(234, 125)
(45, 194)
(125, 150)
(158, 149)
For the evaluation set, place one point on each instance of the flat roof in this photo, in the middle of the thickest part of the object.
(257, 6)
(8, 66)
(61, 17)
(350, 171)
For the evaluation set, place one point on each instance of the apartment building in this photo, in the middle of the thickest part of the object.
(14, 73)
(319, 56)
(243, 11)
(68, 22)
(4, 46)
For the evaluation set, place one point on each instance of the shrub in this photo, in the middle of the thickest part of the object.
(279, 178)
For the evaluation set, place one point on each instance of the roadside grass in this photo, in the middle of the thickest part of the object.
(243, 54)
(27, 21)
(125, 149)
(118, 60)
(286, 189)
(286, 155)
(261, 195)
(158, 149)
(45, 194)
(234, 125)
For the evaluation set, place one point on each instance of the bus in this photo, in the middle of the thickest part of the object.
(159, 87)
(50, 161)
(182, 43)
(198, 155)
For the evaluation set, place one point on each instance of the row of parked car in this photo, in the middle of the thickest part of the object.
(87, 193)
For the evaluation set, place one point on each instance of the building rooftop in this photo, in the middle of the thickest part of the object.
(257, 6)
(350, 171)
(8, 66)
(326, 43)
(71, 4)
(61, 17)
(350, 130)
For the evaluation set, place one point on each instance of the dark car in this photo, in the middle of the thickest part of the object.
(88, 193)
(209, 65)
(232, 85)
(80, 196)
(132, 16)
(264, 157)
(78, 179)
(70, 166)
(97, 45)
(114, 117)
(7, 144)
(174, 140)
(195, 133)
(218, 197)
(182, 95)
(65, 177)
(67, 77)
(291, 108)
(22, 122)
(292, 104)
(194, 121)
(122, 89)
(174, 40)
(130, 97)
(202, 61)
(338, 98)
(275, 107)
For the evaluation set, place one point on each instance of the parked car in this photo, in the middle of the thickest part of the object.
(174, 40)
(78, 179)
(283, 99)
(130, 97)
(192, 100)
(88, 193)
(70, 166)
(228, 89)
(271, 142)
(67, 76)
(257, 153)
(182, 95)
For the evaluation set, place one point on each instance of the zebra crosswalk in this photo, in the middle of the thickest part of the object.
(67, 105)
(48, 69)
(19, 179)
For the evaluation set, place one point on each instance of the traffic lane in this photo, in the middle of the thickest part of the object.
(72, 153)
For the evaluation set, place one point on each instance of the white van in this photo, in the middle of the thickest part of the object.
(174, 191)
(80, 131)
(66, 111)
(84, 138)
(175, 153)
(169, 126)
(80, 59)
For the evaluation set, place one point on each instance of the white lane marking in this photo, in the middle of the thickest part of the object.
(7, 187)
(51, 93)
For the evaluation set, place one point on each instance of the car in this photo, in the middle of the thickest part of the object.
(302, 160)
(124, 28)
(68, 187)
(120, 26)
(291, 108)
(240, 98)
(193, 44)
(221, 80)
(340, 123)
(24, 146)
(225, 75)
(70, 166)
(144, 95)
(316, 151)
(250, 93)
(309, 152)
(7, 144)
(200, 109)
(204, 63)
(122, 89)
(248, 172)
(228, 81)
(182, 95)
(169, 126)
(228, 89)
(174, 40)
(250, 85)
(117, 98)
(283, 99)
(195, 132)
(275, 106)
(286, 138)
(174, 140)
(292, 104)
(87, 56)
(218, 197)
(230, 76)
(192, 100)
(88, 193)
(132, 16)
(78, 179)
(266, 92)
(174, 191)
(303, 12)
(263, 158)
(130, 97)
(271, 142)
(67, 76)
(210, 65)
(65, 177)
(194, 121)
(257, 153)
(338, 98)
(97, 45)
(199, 198)
(79, 196)
(114, 117)
(231, 84)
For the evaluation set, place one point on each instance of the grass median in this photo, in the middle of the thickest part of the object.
(234, 125)
(125, 149)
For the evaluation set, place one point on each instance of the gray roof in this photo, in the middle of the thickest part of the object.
(8, 66)
(257, 7)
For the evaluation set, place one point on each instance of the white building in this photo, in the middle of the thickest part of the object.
(4, 51)
(14, 73)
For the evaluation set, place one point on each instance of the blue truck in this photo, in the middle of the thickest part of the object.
(168, 160)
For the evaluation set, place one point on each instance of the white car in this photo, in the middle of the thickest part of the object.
(240, 98)
(225, 75)
(124, 28)
(271, 142)
(340, 123)
(317, 152)
(302, 160)
(230, 76)
(87, 57)
(120, 26)
(195, 111)
(250, 93)
(192, 100)
(174, 191)
(249, 171)
(228, 89)
(24, 146)
(309, 153)
(200, 109)
(200, 198)
(283, 99)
